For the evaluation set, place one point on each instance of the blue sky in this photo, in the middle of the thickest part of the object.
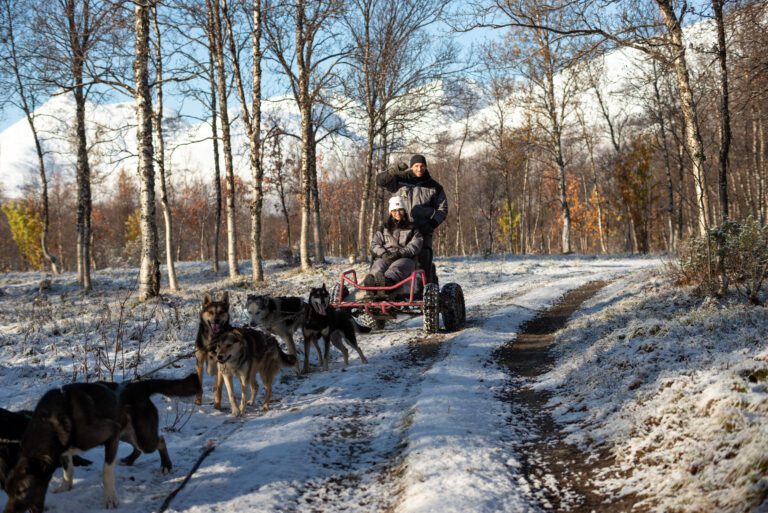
(174, 100)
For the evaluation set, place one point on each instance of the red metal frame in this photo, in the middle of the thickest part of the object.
(383, 305)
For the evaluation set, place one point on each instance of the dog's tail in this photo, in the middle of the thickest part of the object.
(171, 387)
(287, 360)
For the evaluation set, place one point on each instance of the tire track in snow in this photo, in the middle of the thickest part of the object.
(364, 435)
(365, 465)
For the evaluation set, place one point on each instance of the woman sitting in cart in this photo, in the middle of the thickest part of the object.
(395, 248)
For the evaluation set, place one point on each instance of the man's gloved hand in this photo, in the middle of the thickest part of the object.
(389, 257)
(398, 169)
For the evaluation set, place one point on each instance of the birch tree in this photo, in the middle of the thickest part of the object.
(217, 42)
(165, 205)
(76, 44)
(24, 95)
(541, 55)
(252, 121)
(302, 39)
(149, 270)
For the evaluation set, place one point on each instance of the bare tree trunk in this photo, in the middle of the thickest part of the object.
(556, 141)
(525, 205)
(164, 203)
(215, 141)
(83, 196)
(378, 196)
(252, 122)
(457, 196)
(221, 75)
(761, 165)
(257, 171)
(306, 185)
(149, 271)
(725, 113)
(662, 136)
(365, 197)
(83, 168)
(51, 259)
(681, 180)
(757, 128)
(317, 233)
(692, 131)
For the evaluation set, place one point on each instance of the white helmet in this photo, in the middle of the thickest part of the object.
(395, 203)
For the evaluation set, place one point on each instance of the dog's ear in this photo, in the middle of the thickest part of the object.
(206, 300)
(225, 297)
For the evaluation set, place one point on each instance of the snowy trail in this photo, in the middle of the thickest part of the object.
(420, 428)
(374, 437)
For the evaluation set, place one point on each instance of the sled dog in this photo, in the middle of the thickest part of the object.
(12, 427)
(214, 320)
(244, 352)
(80, 416)
(281, 316)
(335, 326)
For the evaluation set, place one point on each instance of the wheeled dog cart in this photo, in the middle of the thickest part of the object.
(374, 306)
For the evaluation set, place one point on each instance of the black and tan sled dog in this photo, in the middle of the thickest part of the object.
(335, 326)
(81, 416)
(12, 427)
(243, 353)
(214, 320)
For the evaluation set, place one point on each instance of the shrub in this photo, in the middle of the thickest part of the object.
(746, 257)
(733, 253)
(26, 229)
(697, 265)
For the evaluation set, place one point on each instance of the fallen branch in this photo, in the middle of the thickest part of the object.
(167, 364)
(208, 450)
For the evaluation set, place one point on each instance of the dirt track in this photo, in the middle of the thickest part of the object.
(560, 475)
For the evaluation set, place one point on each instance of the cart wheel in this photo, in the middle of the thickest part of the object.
(452, 306)
(369, 321)
(431, 308)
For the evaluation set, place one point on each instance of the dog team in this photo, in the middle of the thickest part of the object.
(80, 416)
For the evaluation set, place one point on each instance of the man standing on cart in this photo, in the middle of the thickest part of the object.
(423, 198)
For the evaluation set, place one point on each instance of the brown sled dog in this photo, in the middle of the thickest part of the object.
(244, 352)
(214, 320)
(81, 416)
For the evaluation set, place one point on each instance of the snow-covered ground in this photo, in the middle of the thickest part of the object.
(644, 369)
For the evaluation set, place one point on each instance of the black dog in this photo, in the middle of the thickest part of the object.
(81, 416)
(12, 427)
(335, 326)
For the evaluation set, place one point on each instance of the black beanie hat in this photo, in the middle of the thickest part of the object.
(418, 159)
